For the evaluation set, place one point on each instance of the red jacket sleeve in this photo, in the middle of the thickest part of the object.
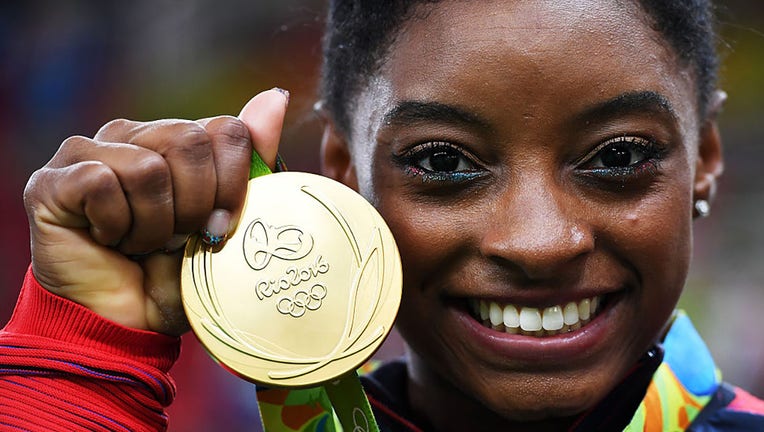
(64, 368)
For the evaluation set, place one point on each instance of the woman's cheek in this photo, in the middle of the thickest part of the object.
(655, 239)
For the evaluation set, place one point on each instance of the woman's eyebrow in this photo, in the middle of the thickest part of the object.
(638, 102)
(407, 112)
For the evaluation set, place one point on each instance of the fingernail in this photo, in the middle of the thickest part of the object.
(217, 227)
(280, 165)
(284, 92)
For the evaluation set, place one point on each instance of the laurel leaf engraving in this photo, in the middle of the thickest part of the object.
(268, 346)
(368, 278)
(343, 224)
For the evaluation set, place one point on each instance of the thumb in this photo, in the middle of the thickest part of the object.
(264, 117)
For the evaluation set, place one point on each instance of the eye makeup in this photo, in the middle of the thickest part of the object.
(438, 161)
(624, 157)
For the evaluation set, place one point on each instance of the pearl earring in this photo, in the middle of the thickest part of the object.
(702, 207)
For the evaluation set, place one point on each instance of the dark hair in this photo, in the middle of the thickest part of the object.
(359, 32)
(689, 27)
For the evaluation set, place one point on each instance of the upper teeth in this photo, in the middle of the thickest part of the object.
(551, 320)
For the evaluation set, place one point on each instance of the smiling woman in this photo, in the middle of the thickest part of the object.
(540, 165)
(550, 160)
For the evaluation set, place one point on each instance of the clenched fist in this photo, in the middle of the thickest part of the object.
(110, 214)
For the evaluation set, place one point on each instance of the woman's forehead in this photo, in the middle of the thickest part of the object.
(530, 54)
(529, 19)
(526, 36)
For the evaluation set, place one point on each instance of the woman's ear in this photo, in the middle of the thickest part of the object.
(710, 163)
(336, 158)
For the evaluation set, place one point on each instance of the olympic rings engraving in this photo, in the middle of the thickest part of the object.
(302, 301)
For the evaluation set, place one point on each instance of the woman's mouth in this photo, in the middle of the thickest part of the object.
(532, 321)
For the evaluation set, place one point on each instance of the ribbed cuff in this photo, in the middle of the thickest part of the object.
(43, 314)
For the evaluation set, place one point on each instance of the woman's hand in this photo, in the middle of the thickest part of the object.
(104, 212)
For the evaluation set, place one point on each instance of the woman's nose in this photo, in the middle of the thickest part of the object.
(537, 229)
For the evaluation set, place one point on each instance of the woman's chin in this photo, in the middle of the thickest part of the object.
(552, 408)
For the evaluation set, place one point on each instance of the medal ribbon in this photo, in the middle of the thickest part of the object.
(346, 396)
(351, 405)
(258, 168)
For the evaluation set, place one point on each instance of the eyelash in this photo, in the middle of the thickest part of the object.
(652, 154)
(412, 162)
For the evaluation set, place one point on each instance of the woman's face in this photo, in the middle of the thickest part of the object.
(537, 156)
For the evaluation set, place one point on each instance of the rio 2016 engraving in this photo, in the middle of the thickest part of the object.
(263, 241)
(302, 301)
(292, 277)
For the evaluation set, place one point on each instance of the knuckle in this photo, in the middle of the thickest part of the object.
(193, 136)
(115, 130)
(185, 129)
(73, 143)
(33, 188)
(69, 151)
(101, 181)
(231, 129)
(151, 173)
(192, 142)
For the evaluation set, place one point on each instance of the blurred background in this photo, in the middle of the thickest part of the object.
(68, 67)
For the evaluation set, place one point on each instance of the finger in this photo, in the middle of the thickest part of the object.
(264, 117)
(105, 204)
(231, 149)
(145, 179)
(164, 306)
(87, 194)
(187, 151)
(176, 243)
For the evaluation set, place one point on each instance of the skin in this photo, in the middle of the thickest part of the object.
(536, 222)
(113, 204)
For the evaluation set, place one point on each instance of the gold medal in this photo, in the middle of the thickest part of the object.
(303, 292)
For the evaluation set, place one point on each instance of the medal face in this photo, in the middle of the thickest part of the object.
(304, 291)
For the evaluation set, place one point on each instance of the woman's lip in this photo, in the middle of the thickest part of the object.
(558, 348)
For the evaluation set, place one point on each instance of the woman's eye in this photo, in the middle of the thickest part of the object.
(617, 155)
(623, 157)
(439, 162)
(444, 161)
